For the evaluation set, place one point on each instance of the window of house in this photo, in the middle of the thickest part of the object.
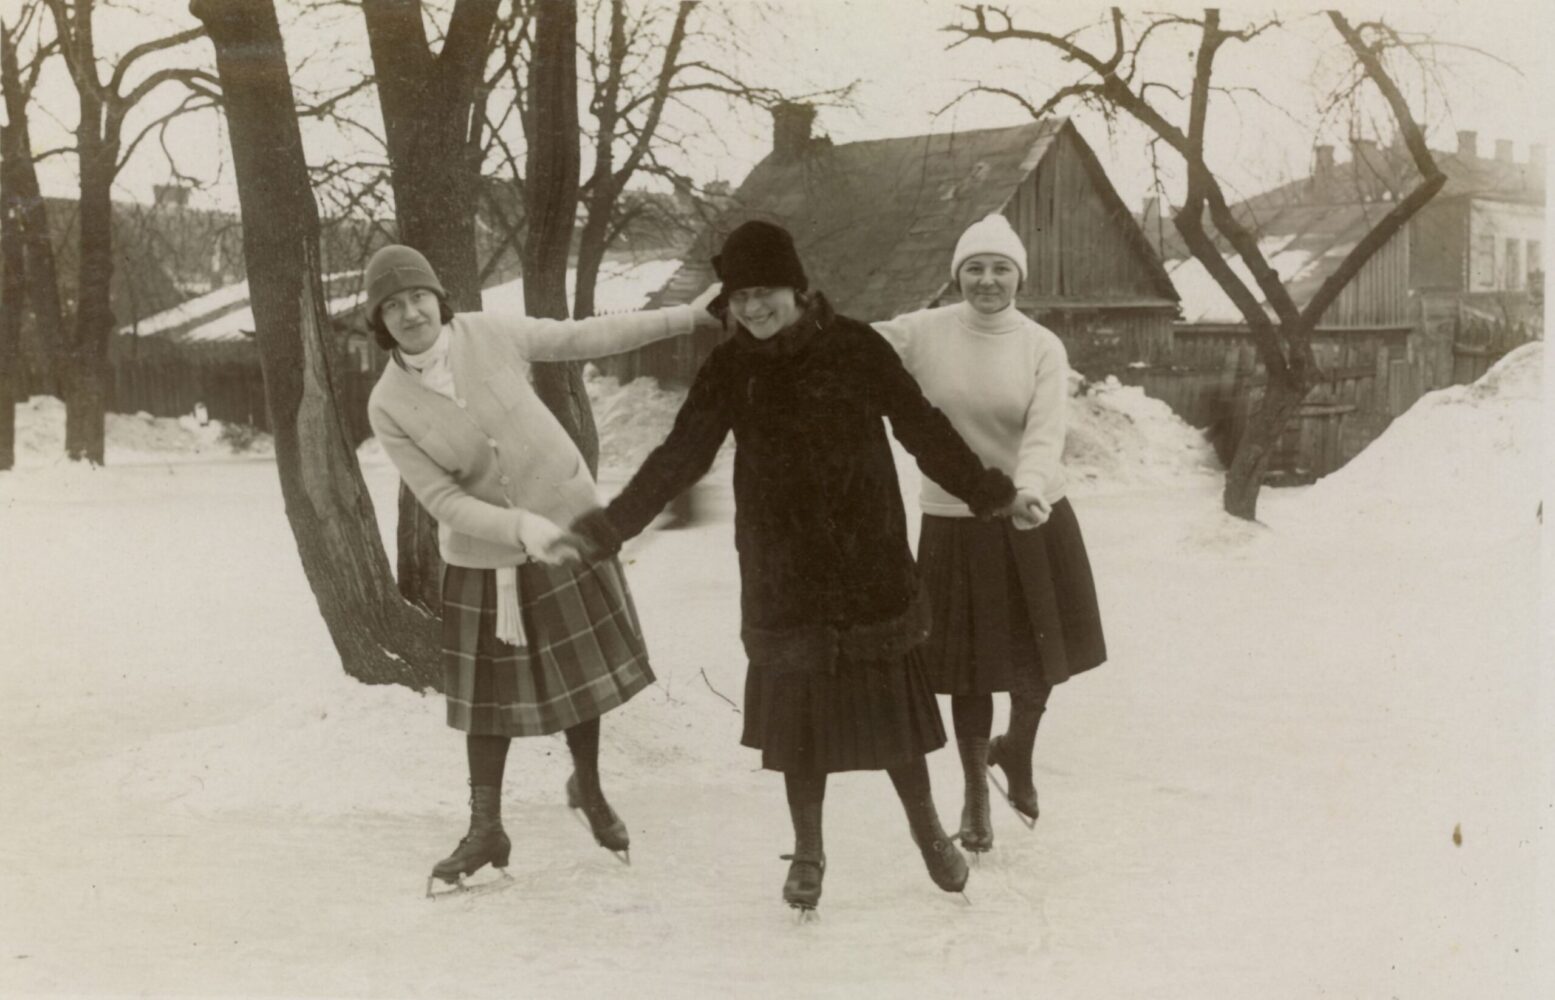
(1482, 264)
(1512, 267)
(1535, 262)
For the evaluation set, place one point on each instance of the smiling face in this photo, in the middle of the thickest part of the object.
(988, 281)
(764, 311)
(412, 318)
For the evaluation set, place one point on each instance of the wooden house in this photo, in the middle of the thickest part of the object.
(1436, 305)
(876, 223)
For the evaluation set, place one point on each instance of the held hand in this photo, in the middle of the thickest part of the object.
(701, 319)
(1029, 511)
(544, 541)
(569, 550)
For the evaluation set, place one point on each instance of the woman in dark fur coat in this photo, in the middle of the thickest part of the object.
(832, 614)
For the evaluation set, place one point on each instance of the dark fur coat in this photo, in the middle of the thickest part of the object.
(819, 525)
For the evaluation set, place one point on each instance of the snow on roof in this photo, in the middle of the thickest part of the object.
(1203, 300)
(226, 314)
(623, 286)
(191, 310)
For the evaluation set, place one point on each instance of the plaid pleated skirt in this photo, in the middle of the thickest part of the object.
(1005, 600)
(860, 716)
(585, 653)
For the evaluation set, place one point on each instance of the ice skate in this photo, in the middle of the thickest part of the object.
(976, 833)
(802, 887)
(608, 830)
(946, 864)
(486, 843)
(1017, 787)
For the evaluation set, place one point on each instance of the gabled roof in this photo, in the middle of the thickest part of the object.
(876, 221)
(1307, 226)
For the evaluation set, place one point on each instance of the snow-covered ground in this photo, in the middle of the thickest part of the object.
(1317, 763)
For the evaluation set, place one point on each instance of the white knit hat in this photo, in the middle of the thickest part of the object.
(990, 234)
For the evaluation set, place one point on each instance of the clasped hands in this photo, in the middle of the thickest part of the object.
(1027, 511)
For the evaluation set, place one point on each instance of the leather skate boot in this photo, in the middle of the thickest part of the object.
(1019, 791)
(976, 834)
(802, 887)
(486, 843)
(585, 795)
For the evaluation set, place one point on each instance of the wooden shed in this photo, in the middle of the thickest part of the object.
(876, 223)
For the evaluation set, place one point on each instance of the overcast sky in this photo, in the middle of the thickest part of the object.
(909, 82)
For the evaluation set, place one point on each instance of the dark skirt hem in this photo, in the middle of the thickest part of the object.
(862, 716)
(1005, 601)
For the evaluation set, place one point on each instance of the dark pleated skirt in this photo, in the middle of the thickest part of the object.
(862, 716)
(1005, 600)
(584, 656)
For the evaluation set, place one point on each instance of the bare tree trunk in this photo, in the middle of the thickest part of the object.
(13, 290)
(551, 190)
(29, 212)
(429, 105)
(1281, 398)
(86, 366)
(380, 637)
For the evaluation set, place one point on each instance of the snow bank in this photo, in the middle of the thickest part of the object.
(632, 418)
(1119, 438)
(1464, 461)
(133, 439)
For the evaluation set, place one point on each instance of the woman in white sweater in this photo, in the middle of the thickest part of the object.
(531, 646)
(1014, 605)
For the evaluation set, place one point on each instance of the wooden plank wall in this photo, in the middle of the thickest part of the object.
(1075, 242)
(1216, 382)
(168, 384)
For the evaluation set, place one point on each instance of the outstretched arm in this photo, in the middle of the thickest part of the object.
(929, 437)
(684, 457)
(601, 336)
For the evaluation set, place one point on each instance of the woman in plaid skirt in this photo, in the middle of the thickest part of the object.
(832, 619)
(1012, 610)
(531, 646)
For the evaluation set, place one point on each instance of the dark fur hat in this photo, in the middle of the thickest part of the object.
(757, 255)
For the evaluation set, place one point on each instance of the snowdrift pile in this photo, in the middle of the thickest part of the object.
(1464, 460)
(1119, 438)
(133, 438)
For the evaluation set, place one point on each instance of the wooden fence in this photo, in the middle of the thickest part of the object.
(1371, 375)
(172, 384)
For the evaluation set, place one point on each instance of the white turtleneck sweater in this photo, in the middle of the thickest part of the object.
(1002, 380)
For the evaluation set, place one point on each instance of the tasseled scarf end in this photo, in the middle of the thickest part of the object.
(510, 624)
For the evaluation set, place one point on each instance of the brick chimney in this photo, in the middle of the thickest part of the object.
(1468, 144)
(1325, 161)
(791, 122)
(173, 195)
(1504, 150)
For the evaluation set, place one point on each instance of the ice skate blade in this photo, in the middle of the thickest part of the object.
(804, 913)
(624, 856)
(462, 888)
(1030, 821)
